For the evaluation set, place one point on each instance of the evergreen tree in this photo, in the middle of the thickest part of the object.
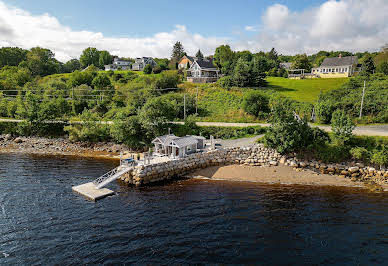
(177, 52)
(199, 55)
(368, 66)
(273, 55)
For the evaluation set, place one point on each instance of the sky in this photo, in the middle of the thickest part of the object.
(150, 28)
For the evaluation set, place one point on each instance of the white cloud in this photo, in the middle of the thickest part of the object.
(353, 25)
(276, 16)
(250, 28)
(22, 29)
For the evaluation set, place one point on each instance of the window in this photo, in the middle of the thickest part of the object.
(346, 69)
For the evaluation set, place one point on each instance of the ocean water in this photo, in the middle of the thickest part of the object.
(184, 222)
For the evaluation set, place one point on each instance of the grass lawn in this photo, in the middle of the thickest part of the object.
(304, 90)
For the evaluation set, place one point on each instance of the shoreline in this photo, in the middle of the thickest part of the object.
(279, 175)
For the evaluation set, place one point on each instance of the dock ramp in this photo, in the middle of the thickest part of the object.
(111, 176)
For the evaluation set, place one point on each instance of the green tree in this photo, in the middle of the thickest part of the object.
(147, 69)
(72, 65)
(256, 104)
(368, 67)
(342, 126)
(90, 56)
(223, 58)
(177, 52)
(273, 55)
(78, 78)
(301, 62)
(128, 130)
(383, 68)
(242, 73)
(199, 55)
(154, 116)
(287, 132)
(105, 58)
(41, 62)
(257, 71)
(12, 56)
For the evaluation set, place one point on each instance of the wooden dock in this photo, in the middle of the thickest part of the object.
(90, 191)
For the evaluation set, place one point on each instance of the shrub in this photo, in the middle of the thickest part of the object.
(256, 103)
(147, 69)
(331, 153)
(127, 130)
(342, 127)
(359, 153)
(380, 157)
(225, 82)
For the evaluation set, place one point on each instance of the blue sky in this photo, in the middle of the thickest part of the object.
(126, 18)
(150, 28)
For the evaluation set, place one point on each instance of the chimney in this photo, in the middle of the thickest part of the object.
(340, 56)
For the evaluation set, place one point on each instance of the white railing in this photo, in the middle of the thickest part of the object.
(111, 176)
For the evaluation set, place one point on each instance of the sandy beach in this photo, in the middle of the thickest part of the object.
(274, 175)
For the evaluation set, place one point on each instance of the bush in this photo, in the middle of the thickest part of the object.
(342, 127)
(127, 130)
(225, 82)
(359, 153)
(380, 157)
(147, 69)
(256, 103)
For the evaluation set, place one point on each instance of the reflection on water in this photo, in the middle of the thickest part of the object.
(190, 221)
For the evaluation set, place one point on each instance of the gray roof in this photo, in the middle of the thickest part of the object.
(339, 61)
(285, 65)
(165, 139)
(185, 141)
(205, 63)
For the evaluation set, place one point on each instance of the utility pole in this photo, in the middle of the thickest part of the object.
(184, 106)
(196, 104)
(362, 99)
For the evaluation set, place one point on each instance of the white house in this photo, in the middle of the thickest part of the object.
(119, 64)
(140, 63)
(202, 71)
(177, 147)
(336, 67)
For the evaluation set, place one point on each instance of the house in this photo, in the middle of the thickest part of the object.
(285, 65)
(177, 147)
(140, 63)
(337, 67)
(202, 71)
(186, 62)
(119, 64)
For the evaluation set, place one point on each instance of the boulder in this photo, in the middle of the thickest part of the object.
(18, 140)
(8, 137)
(353, 169)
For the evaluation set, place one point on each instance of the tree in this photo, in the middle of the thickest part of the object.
(177, 52)
(242, 73)
(147, 69)
(41, 62)
(287, 133)
(12, 56)
(368, 67)
(273, 55)
(383, 68)
(257, 68)
(90, 56)
(223, 58)
(154, 115)
(105, 58)
(301, 62)
(342, 126)
(256, 103)
(128, 130)
(72, 65)
(199, 55)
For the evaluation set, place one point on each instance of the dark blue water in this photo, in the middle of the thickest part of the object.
(186, 222)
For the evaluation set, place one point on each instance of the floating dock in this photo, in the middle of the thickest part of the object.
(90, 191)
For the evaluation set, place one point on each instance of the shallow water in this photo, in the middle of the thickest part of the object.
(186, 222)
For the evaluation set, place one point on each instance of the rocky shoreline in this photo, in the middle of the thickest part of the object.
(256, 157)
(60, 146)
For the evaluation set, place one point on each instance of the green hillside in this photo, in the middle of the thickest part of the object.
(304, 90)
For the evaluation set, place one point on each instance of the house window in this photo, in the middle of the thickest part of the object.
(346, 69)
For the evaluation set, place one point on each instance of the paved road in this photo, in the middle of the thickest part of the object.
(372, 130)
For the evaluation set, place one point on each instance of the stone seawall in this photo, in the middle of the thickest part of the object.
(257, 155)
